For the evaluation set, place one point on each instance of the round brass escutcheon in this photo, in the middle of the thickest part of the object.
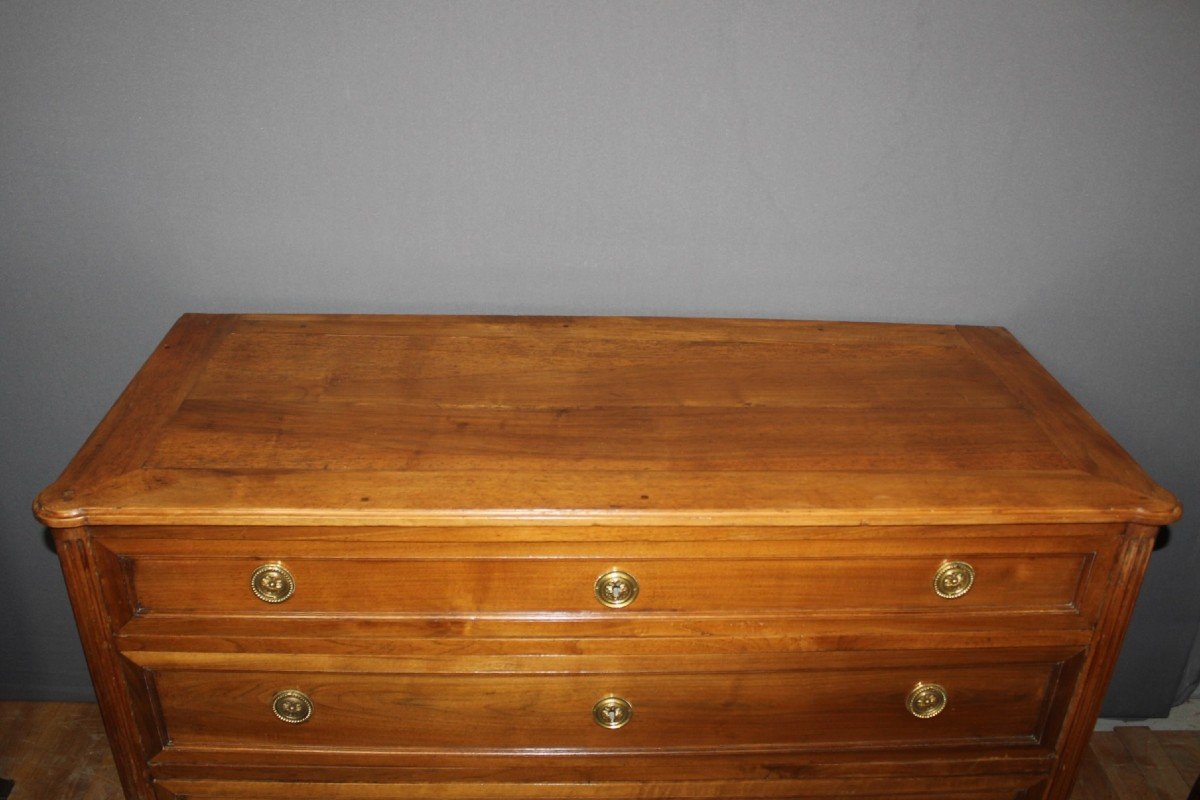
(616, 589)
(927, 700)
(272, 583)
(953, 579)
(612, 712)
(292, 706)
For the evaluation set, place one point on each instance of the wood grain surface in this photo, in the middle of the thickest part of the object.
(565, 585)
(369, 420)
(723, 708)
(58, 750)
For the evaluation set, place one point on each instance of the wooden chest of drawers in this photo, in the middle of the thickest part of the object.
(529, 558)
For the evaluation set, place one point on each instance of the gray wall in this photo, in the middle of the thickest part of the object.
(1029, 164)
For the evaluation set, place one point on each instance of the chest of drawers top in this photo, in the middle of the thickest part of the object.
(409, 420)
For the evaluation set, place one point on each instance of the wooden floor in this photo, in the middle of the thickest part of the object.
(58, 750)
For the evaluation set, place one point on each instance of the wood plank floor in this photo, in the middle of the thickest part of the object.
(58, 750)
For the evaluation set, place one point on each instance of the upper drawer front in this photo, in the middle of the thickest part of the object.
(998, 581)
(1001, 703)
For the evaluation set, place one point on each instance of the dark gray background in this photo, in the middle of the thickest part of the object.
(1030, 164)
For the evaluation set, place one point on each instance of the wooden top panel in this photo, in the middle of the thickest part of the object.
(444, 420)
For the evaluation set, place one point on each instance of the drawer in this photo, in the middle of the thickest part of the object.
(635, 585)
(813, 705)
(909, 787)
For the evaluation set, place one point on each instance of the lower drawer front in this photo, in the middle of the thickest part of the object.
(797, 708)
(991, 787)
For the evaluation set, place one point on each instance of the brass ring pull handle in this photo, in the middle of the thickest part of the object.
(612, 712)
(272, 583)
(292, 706)
(616, 589)
(953, 579)
(927, 700)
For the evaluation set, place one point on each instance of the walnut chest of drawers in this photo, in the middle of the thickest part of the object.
(469, 558)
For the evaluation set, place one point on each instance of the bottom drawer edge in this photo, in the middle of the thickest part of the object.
(469, 768)
(981, 787)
